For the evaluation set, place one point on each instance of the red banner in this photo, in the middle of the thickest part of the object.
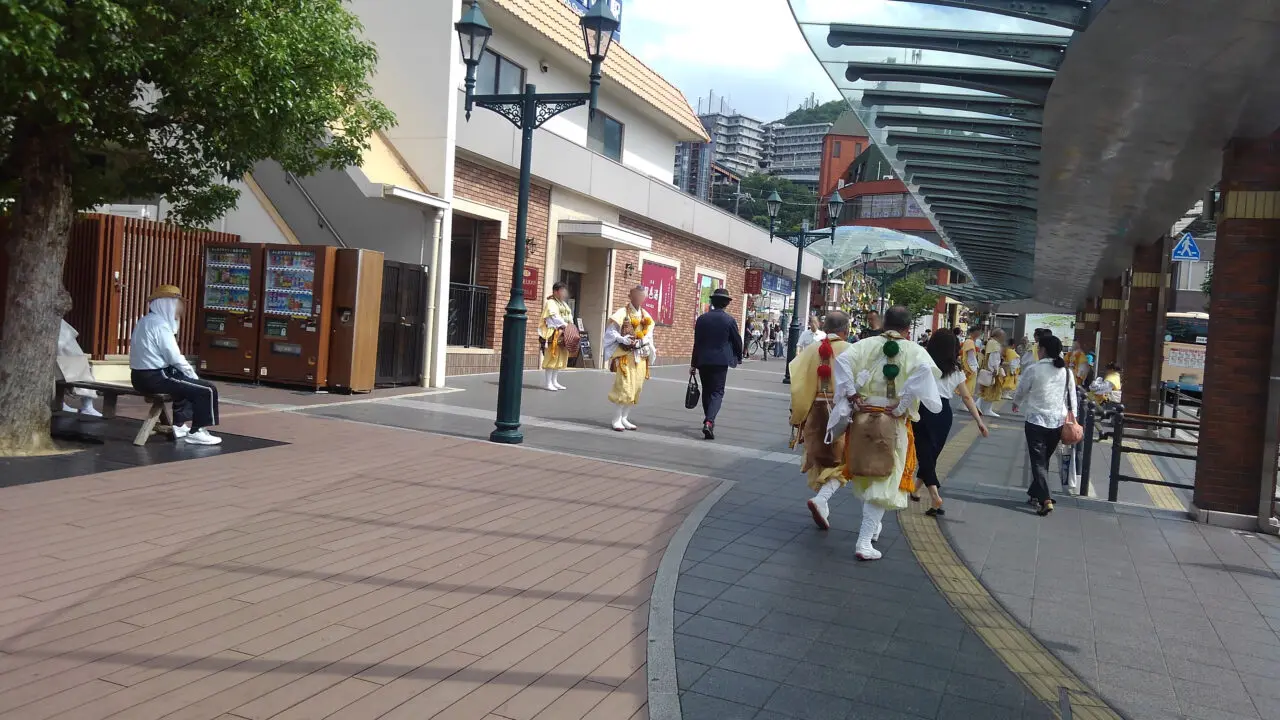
(753, 282)
(659, 283)
(531, 284)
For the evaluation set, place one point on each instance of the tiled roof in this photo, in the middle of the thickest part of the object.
(559, 23)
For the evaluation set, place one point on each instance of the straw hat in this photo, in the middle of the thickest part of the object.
(165, 291)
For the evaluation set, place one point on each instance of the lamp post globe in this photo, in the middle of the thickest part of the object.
(835, 205)
(773, 205)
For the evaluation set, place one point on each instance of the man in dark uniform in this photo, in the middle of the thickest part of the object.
(717, 346)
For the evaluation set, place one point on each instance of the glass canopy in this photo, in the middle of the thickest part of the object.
(954, 98)
(889, 251)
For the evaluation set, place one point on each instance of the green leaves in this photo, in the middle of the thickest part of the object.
(181, 95)
(912, 292)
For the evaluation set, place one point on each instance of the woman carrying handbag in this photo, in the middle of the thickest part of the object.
(1047, 399)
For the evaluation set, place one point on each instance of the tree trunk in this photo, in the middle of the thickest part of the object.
(36, 241)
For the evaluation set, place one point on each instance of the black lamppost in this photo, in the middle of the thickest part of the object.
(802, 240)
(527, 111)
(866, 273)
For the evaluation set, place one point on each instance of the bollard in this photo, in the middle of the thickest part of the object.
(1177, 394)
(1117, 447)
(1164, 397)
(1087, 455)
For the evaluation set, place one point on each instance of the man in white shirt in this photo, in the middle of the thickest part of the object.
(158, 367)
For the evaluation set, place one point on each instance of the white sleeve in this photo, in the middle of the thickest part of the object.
(993, 362)
(1071, 395)
(1024, 385)
(554, 321)
(173, 356)
(920, 385)
(971, 359)
(1015, 364)
(846, 386)
(613, 337)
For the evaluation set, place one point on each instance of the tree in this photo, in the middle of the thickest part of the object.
(106, 99)
(798, 201)
(913, 293)
(827, 112)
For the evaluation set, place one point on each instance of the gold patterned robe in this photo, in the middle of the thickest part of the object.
(811, 401)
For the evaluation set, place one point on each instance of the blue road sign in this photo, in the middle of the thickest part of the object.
(1186, 250)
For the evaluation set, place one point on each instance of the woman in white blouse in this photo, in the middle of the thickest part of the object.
(810, 334)
(1045, 394)
(932, 429)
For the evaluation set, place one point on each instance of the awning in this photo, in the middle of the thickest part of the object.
(601, 234)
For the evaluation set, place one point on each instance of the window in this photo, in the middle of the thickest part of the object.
(1191, 275)
(604, 135)
(497, 74)
(835, 152)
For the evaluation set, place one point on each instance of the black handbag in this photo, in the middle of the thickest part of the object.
(692, 393)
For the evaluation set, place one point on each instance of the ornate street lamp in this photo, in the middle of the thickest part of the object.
(527, 111)
(802, 240)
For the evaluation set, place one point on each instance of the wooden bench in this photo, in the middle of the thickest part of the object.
(157, 419)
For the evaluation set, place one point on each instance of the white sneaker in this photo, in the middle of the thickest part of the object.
(821, 512)
(867, 553)
(628, 424)
(875, 537)
(992, 413)
(617, 421)
(555, 380)
(202, 437)
(551, 388)
(180, 431)
(89, 410)
(68, 409)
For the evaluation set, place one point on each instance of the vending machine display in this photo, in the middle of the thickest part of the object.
(298, 282)
(229, 308)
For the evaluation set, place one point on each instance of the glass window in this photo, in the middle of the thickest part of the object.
(497, 74)
(836, 151)
(1182, 329)
(1191, 275)
(604, 135)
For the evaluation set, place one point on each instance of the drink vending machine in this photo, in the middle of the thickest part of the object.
(295, 328)
(229, 310)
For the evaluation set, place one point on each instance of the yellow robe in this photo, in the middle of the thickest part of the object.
(970, 377)
(1010, 380)
(993, 392)
(554, 356)
(810, 407)
(1076, 361)
(866, 361)
(630, 367)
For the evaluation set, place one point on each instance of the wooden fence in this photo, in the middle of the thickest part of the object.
(113, 263)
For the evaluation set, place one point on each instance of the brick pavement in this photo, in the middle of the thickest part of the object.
(356, 572)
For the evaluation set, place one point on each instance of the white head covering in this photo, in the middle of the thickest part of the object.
(67, 344)
(167, 308)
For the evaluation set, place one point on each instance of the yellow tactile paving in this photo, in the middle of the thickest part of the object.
(1161, 496)
(1012, 643)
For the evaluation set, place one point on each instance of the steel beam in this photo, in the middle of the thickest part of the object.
(1029, 85)
(975, 198)
(986, 161)
(1044, 51)
(1022, 132)
(994, 146)
(967, 205)
(963, 230)
(973, 178)
(1073, 14)
(979, 188)
(986, 104)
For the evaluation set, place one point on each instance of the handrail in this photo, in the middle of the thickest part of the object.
(292, 179)
(1118, 448)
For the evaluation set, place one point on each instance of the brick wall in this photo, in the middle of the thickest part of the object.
(1143, 327)
(675, 343)
(1109, 321)
(1242, 314)
(495, 257)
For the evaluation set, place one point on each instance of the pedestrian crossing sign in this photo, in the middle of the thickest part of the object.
(1186, 250)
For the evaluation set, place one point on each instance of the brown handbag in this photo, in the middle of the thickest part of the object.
(1072, 432)
(872, 437)
(571, 339)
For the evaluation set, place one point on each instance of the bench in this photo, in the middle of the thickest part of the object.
(157, 419)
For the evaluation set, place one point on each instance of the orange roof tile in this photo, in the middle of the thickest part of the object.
(559, 23)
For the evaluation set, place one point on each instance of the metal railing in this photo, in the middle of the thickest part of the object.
(1174, 402)
(468, 315)
(1155, 423)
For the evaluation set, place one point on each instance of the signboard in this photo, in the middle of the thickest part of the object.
(530, 283)
(1186, 250)
(1063, 326)
(582, 6)
(771, 283)
(707, 284)
(753, 282)
(659, 283)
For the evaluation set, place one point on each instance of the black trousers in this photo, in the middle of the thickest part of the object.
(931, 436)
(194, 401)
(1041, 444)
(713, 378)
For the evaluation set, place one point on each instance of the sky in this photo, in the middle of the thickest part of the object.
(752, 53)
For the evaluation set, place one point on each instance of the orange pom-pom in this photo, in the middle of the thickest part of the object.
(824, 372)
(824, 349)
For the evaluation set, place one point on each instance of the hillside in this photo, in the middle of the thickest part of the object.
(826, 112)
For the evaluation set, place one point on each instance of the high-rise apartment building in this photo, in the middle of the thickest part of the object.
(739, 141)
(693, 168)
(794, 152)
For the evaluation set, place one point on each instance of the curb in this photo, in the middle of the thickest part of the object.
(664, 690)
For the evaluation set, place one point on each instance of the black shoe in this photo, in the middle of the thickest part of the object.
(935, 512)
(709, 430)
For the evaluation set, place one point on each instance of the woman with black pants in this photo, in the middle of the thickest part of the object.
(932, 429)
(1045, 394)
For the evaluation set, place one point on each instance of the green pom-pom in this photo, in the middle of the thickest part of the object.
(890, 372)
(891, 348)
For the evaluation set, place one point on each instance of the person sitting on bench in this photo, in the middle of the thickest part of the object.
(158, 367)
(73, 365)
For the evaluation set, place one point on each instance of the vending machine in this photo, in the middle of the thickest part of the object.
(295, 327)
(229, 310)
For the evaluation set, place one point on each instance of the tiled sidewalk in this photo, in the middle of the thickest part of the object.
(357, 572)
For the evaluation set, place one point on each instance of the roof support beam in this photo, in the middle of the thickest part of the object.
(1044, 51)
(982, 217)
(1022, 132)
(967, 205)
(978, 188)
(986, 104)
(981, 179)
(959, 231)
(1029, 85)
(1027, 151)
(1073, 14)
(943, 196)
(910, 154)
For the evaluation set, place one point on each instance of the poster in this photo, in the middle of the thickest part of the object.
(530, 284)
(659, 283)
(707, 284)
(1063, 326)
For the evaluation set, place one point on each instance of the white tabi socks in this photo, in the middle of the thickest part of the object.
(626, 418)
(818, 504)
(618, 414)
(551, 380)
(555, 380)
(871, 519)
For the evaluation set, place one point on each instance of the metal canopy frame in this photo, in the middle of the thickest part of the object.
(1022, 132)
(986, 104)
(1029, 85)
(1044, 51)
